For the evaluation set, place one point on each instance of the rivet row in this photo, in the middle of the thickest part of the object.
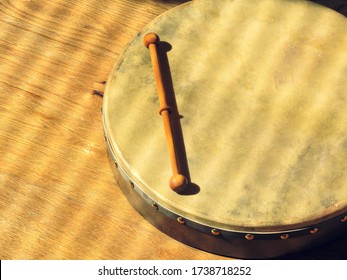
(248, 236)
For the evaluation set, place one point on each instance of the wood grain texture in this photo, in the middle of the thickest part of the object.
(58, 196)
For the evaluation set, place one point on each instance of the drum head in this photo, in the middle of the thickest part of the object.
(261, 90)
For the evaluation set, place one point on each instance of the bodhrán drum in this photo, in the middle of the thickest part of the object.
(257, 92)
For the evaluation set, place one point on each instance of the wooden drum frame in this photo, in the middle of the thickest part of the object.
(253, 97)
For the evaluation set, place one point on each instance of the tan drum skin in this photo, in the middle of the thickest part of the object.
(261, 87)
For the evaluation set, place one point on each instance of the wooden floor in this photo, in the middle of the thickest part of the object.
(58, 197)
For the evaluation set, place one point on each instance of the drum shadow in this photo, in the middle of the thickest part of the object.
(339, 6)
(175, 117)
(334, 250)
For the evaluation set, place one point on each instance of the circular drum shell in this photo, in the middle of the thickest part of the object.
(256, 236)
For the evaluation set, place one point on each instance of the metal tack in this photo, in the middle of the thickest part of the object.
(249, 236)
(285, 236)
(181, 221)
